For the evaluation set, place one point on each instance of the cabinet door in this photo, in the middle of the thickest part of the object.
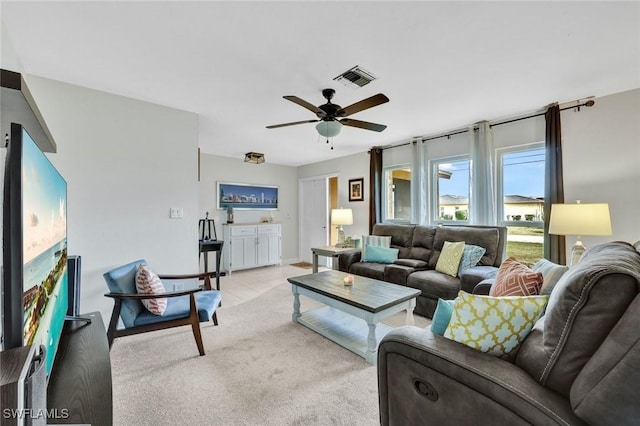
(243, 252)
(263, 250)
(274, 249)
(249, 251)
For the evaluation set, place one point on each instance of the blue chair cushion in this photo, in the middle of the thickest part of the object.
(123, 280)
(178, 307)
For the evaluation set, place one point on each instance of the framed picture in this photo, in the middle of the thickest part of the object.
(244, 196)
(356, 189)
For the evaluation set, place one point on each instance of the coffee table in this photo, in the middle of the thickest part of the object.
(353, 314)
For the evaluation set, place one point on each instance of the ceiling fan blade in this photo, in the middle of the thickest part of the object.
(363, 124)
(296, 100)
(374, 100)
(275, 126)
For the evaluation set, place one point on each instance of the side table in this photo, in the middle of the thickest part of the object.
(212, 245)
(327, 251)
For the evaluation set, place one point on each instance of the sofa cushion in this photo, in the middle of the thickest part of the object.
(585, 305)
(551, 274)
(495, 325)
(516, 279)
(380, 254)
(400, 236)
(434, 284)
(471, 255)
(422, 244)
(449, 259)
(373, 240)
(368, 269)
(487, 238)
(397, 274)
(412, 263)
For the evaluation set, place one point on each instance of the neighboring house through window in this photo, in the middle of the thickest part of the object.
(397, 194)
(450, 189)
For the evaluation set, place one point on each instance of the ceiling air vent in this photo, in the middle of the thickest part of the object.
(355, 77)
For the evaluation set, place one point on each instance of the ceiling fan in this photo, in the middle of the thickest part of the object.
(331, 117)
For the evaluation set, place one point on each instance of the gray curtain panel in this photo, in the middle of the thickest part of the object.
(375, 187)
(554, 245)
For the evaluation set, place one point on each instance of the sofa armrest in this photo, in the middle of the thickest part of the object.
(425, 378)
(472, 276)
(348, 258)
(483, 287)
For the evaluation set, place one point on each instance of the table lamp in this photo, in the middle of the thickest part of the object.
(579, 219)
(341, 217)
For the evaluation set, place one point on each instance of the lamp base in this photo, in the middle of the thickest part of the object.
(576, 252)
(341, 238)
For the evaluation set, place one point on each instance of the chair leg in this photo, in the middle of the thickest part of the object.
(214, 317)
(113, 323)
(195, 323)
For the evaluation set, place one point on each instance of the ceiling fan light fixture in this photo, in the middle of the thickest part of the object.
(329, 129)
(254, 157)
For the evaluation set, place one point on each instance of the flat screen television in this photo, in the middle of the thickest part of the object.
(35, 281)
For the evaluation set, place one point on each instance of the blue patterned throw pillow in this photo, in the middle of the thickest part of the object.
(471, 255)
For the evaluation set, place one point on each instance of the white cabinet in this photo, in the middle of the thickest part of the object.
(251, 245)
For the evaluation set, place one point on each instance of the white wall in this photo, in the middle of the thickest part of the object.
(126, 164)
(601, 159)
(214, 168)
(345, 168)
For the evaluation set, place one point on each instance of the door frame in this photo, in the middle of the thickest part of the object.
(301, 230)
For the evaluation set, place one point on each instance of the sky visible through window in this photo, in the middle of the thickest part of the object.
(458, 183)
(523, 174)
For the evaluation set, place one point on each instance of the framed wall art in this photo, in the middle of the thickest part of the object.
(356, 189)
(244, 196)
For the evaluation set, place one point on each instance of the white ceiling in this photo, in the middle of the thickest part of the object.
(443, 65)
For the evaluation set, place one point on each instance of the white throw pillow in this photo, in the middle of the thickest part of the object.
(149, 283)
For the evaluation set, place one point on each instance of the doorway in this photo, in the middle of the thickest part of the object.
(317, 196)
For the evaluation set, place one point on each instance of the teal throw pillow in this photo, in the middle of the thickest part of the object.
(442, 316)
(471, 255)
(373, 240)
(381, 254)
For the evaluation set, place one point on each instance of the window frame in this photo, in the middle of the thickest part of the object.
(500, 211)
(386, 172)
(434, 202)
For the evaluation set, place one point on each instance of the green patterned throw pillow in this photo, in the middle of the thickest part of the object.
(495, 325)
(449, 259)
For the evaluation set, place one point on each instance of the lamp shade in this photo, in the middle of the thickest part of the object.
(329, 129)
(341, 217)
(580, 219)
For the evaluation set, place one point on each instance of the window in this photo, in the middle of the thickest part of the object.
(521, 188)
(450, 189)
(397, 194)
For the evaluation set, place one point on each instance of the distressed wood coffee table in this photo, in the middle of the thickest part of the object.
(341, 320)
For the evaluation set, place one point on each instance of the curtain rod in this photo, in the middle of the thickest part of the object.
(588, 103)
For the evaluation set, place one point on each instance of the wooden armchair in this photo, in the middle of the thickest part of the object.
(183, 307)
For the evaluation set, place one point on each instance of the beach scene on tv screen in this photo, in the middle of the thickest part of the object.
(44, 250)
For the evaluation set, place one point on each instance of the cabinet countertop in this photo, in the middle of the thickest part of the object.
(251, 223)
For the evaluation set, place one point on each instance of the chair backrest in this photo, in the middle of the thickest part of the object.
(593, 303)
(123, 280)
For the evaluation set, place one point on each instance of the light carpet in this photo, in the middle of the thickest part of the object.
(259, 369)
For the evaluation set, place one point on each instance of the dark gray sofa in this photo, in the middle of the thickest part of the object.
(419, 248)
(579, 365)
